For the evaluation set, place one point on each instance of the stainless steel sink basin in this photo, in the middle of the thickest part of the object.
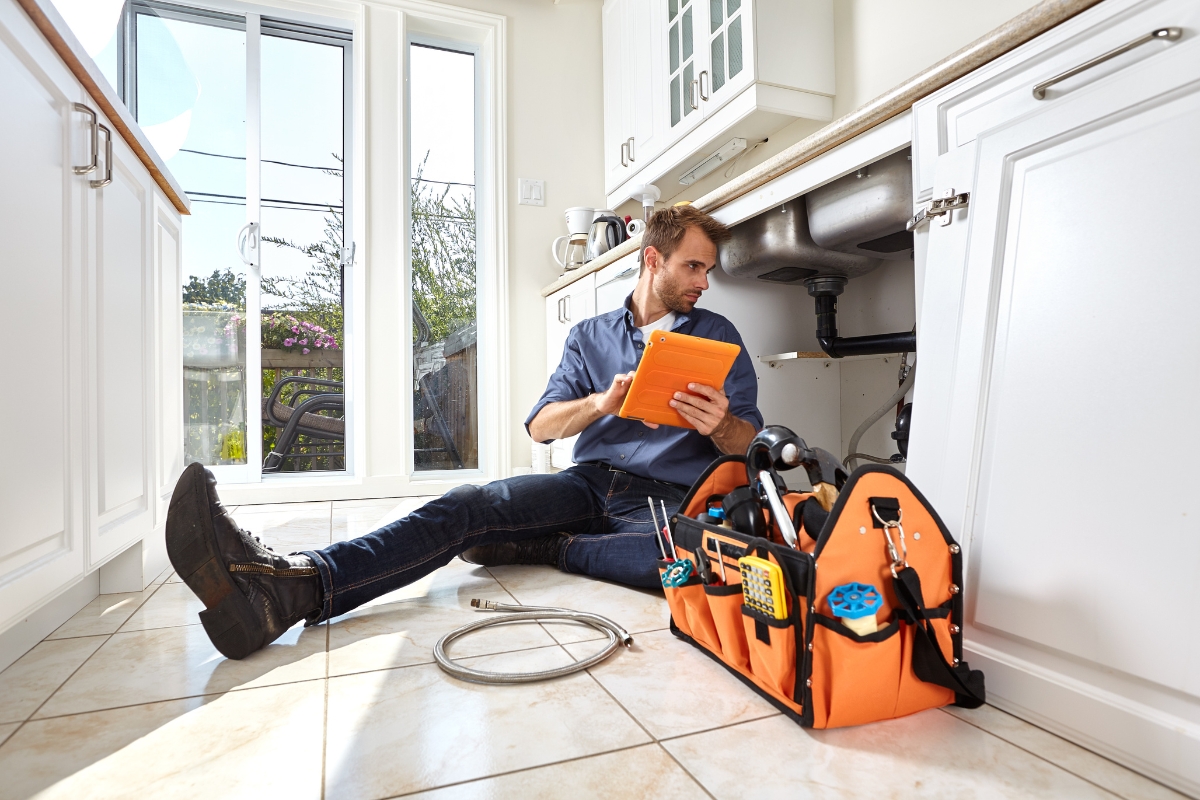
(776, 246)
(864, 213)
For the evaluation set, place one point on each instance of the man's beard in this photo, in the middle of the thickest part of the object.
(672, 296)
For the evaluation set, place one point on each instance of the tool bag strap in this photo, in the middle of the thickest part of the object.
(928, 662)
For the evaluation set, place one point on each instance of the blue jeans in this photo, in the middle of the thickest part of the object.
(604, 515)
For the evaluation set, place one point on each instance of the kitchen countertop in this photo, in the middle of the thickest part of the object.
(992, 45)
(47, 20)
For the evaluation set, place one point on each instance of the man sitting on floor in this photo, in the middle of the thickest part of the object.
(591, 519)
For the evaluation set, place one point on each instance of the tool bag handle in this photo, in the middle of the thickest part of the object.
(928, 662)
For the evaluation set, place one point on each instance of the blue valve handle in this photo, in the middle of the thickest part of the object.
(854, 600)
(677, 574)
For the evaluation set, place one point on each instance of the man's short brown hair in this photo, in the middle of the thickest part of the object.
(668, 226)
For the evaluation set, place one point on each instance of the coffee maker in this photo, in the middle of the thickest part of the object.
(570, 251)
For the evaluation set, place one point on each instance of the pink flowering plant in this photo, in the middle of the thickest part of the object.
(282, 331)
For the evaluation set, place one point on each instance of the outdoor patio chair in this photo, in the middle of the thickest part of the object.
(298, 416)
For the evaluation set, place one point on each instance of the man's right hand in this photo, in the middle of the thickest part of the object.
(609, 401)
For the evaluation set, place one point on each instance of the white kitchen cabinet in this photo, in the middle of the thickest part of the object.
(615, 282)
(1057, 355)
(564, 309)
(633, 106)
(94, 429)
(718, 69)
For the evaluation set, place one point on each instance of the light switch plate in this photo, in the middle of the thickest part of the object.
(532, 193)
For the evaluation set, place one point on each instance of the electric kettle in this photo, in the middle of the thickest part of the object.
(607, 231)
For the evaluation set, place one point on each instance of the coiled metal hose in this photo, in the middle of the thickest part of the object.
(616, 637)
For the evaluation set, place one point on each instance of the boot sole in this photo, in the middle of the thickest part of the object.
(228, 618)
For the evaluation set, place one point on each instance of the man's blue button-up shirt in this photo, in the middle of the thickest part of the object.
(598, 349)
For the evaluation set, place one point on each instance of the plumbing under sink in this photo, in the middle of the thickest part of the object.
(776, 246)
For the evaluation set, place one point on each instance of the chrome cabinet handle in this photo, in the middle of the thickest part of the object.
(86, 168)
(107, 159)
(629, 142)
(694, 91)
(703, 74)
(624, 153)
(567, 308)
(1167, 34)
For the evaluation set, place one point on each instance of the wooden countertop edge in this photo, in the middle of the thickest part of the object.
(47, 20)
(1007, 37)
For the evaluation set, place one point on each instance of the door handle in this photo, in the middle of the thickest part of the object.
(248, 240)
(566, 301)
(624, 153)
(86, 168)
(107, 159)
(1167, 34)
(703, 74)
(629, 149)
(694, 91)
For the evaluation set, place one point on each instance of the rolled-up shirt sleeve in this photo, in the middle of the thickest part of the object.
(569, 382)
(741, 385)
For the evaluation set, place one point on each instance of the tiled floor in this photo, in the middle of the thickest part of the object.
(129, 699)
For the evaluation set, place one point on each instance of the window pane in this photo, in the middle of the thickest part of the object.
(202, 137)
(675, 109)
(735, 47)
(94, 23)
(673, 47)
(672, 9)
(687, 34)
(303, 329)
(733, 6)
(714, 15)
(442, 164)
(718, 61)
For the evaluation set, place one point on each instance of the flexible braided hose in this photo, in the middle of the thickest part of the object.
(616, 637)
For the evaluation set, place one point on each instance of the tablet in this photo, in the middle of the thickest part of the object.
(669, 363)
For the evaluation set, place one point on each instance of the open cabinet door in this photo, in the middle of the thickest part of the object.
(1058, 327)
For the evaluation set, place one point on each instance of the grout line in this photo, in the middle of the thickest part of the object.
(722, 727)
(1041, 757)
(520, 770)
(686, 771)
(152, 591)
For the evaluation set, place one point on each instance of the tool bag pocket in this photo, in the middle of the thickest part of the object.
(689, 610)
(854, 678)
(725, 603)
(772, 645)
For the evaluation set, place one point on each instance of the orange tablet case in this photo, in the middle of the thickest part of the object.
(670, 362)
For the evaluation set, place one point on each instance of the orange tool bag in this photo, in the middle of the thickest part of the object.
(791, 644)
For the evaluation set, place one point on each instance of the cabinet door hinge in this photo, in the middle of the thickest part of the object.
(940, 207)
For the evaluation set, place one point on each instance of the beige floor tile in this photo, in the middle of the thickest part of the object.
(354, 518)
(170, 663)
(262, 743)
(640, 772)
(7, 730)
(171, 606)
(403, 631)
(637, 610)
(1071, 757)
(287, 526)
(33, 677)
(417, 728)
(930, 754)
(672, 688)
(104, 615)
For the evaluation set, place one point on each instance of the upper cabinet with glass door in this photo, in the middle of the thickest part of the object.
(725, 69)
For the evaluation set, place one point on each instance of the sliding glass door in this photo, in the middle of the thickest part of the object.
(250, 114)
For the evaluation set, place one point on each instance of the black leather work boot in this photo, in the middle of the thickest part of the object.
(251, 594)
(542, 550)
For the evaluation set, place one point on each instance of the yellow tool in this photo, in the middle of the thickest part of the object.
(762, 586)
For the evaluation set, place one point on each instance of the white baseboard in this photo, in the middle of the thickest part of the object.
(25, 634)
(1145, 739)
